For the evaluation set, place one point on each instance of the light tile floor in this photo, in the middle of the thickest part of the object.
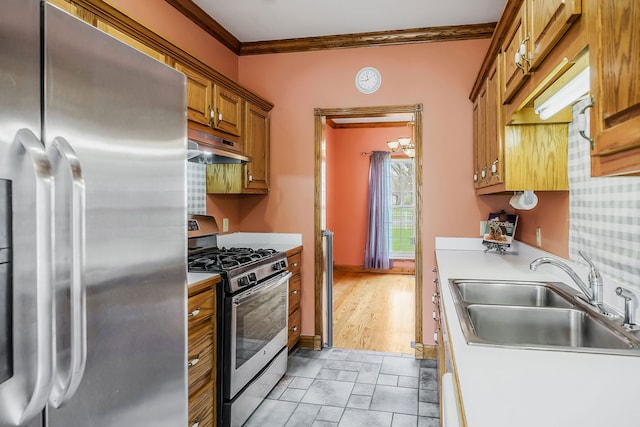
(352, 388)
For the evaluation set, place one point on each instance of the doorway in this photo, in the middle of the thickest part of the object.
(392, 116)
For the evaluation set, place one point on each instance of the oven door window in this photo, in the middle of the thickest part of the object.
(259, 320)
(6, 348)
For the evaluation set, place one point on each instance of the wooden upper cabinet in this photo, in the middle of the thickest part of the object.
(614, 54)
(488, 130)
(479, 140)
(256, 146)
(515, 49)
(199, 89)
(227, 111)
(548, 21)
(494, 126)
(211, 104)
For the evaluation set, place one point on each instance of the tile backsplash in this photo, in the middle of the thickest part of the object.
(604, 213)
(196, 188)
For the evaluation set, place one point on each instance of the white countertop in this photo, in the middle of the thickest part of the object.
(502, 387)
(193, 278)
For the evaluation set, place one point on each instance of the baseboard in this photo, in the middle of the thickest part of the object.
(361, 269)
(313, 342)
(426, 351)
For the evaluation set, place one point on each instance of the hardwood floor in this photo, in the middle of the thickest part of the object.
(373, 311)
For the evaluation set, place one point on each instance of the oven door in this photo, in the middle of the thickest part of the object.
(258, 330)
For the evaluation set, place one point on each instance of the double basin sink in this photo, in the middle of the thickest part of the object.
(536, 315)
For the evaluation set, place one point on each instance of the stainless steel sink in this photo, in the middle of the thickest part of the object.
(536, 315)
(535, 326)
(530, 294)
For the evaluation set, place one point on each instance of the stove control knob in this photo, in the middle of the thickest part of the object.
(277, 266)
(243, 281)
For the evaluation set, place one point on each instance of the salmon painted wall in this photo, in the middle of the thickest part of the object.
(438, 75)
(347, 185)
(165, 20)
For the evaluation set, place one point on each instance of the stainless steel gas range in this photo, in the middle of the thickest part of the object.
(254, 317)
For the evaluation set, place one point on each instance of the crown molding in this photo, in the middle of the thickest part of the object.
(377, 38)
(207, 23)
(341, 41)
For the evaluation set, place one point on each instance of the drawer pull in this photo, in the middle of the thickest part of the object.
(435, 337)
(194, 361)
(196, 423)
(294, 292)
(295, 264)
(294, 329)
(194, 313)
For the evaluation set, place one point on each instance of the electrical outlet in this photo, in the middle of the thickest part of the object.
(538, 236)
(225, 225)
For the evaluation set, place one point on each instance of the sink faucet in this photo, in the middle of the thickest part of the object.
(594, 294)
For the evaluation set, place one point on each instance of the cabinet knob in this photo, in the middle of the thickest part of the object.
(219, 115)
(294, 329)
(250, 177)
(434, 270)
(294, 292)
(435, 297)
(194, 313)
(194, 361)
(475, 176)
(295, 264)
(196, 423)
(436, 281)
(435, 337)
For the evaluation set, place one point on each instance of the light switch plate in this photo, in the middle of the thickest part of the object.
(225, 225)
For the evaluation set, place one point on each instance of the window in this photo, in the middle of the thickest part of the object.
(402, 216)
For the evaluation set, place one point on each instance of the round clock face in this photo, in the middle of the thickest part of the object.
(368, 80)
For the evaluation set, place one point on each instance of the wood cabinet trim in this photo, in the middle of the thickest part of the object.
(133, 28)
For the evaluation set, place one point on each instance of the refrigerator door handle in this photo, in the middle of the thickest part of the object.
(65, 385)
(40, 376)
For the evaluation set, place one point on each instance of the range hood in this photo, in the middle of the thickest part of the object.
(209, 149)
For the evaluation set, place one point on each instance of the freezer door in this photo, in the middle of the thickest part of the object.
(25, 221)
(123, 116)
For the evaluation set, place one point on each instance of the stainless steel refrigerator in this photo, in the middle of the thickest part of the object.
(92, 227)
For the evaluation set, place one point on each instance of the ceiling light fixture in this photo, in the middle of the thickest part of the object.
(404, 143)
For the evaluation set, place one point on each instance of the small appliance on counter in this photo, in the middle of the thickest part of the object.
(254, 316)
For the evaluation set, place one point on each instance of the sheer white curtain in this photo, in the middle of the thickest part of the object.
(376, 252)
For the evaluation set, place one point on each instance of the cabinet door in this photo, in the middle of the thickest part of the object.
(494, 126)
(256, 146)
(517, 40)
(480, 119)
(549, 20)
(228, 112)
(199, 90)
(614, 52)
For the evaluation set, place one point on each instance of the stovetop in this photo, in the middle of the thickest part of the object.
(240, 268)
(223, 259)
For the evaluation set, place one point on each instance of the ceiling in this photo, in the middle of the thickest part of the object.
(265, 20)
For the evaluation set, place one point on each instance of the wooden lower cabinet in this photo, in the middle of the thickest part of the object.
(201, 356)
(294, 259)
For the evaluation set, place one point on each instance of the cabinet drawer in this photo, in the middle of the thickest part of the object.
(294, 328)
(200, 307)
(294, 263)
(201, 407)
(200, 355)
(295, 284)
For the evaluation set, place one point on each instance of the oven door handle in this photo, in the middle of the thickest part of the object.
(259, 290)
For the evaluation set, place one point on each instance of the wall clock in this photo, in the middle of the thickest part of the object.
(368, 80)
